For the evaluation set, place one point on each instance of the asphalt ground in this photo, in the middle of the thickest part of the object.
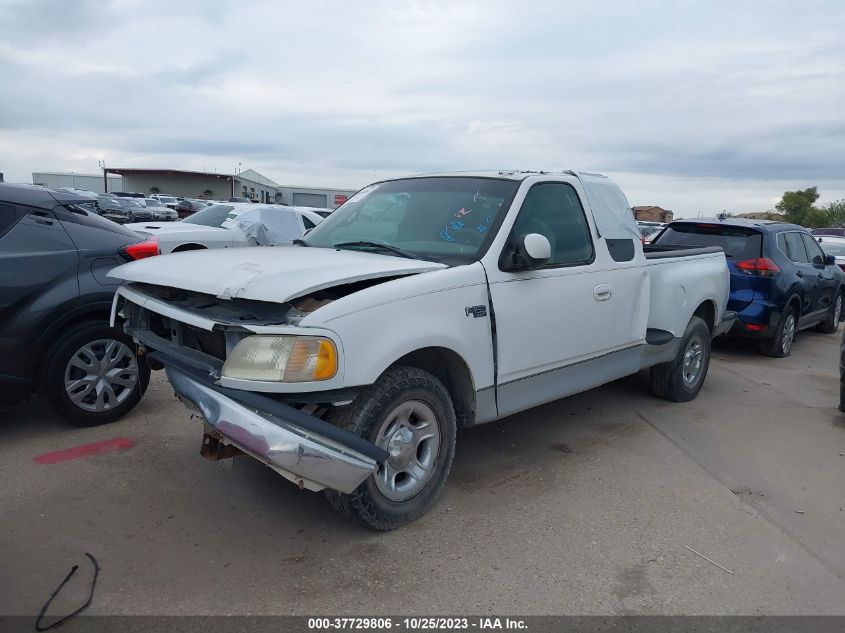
(583, 506)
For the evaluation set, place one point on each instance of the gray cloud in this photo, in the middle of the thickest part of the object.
(711, 94)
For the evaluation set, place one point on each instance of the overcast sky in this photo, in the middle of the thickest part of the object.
(694, 106)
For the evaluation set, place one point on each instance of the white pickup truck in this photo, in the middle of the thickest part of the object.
(421, 305)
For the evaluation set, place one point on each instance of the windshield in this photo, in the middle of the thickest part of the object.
(152, 202)
(166, 199)
(837, 249)
(737, 242)
(210, 216)
(438, 219)
(129, 203)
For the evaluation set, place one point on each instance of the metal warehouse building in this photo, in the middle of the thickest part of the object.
(91, 182)
(247, 184)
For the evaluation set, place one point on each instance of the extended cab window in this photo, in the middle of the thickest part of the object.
(553, 209)
(738, 242)
(794, 247)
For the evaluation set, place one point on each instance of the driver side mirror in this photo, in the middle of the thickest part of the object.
(530, 252)
(829, 260)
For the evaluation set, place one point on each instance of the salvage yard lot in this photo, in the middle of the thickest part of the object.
(586, 505)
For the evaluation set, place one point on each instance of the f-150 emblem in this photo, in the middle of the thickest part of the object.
(476, 311)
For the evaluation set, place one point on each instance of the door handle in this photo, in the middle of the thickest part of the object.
(800, 274)
(820, 275)
(602, 292)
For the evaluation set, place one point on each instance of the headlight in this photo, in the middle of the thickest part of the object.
(282, 359)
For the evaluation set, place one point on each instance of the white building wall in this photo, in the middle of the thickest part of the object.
(334, 197)
(91, 182)
(190, 186)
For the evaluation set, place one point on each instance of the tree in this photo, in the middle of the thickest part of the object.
(798, 207)
(835, 212)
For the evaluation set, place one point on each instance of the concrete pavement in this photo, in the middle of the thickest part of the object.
(583, 506)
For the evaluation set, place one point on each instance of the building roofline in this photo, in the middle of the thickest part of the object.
(166, 172)
(70, 173)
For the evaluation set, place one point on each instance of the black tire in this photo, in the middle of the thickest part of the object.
(676, 380)
(365, 417)
(831, 318)
(780, 345)
(841, 396)
(59, 357)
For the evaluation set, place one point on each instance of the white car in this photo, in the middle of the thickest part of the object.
(169, 201)
(832, 245)
(346, 362)
(231, 225)
(160, 211)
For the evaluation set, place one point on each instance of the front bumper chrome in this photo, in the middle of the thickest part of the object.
(308, 459)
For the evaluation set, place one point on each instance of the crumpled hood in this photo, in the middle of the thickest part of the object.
(266, 273)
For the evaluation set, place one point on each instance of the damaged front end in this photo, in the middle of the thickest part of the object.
(190, 335)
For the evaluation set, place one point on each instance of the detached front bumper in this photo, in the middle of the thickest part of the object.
(309, 459)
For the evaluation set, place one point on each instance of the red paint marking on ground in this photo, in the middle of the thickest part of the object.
(114, 444)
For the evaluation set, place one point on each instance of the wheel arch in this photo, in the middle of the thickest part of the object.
(453, 371)
(706, 310)
(796, 300)
(98, 311)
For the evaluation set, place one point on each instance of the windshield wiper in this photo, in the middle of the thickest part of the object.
(299, 242)
(386, 247)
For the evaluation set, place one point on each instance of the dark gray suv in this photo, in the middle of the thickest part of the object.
(55, 303)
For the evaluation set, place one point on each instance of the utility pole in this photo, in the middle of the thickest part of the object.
(102, 164)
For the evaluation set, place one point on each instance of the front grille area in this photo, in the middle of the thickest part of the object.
(212, 343)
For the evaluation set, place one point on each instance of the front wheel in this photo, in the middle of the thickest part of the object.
(681, 378)
(409, 413)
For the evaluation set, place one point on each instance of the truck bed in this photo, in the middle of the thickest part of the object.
(684, 278)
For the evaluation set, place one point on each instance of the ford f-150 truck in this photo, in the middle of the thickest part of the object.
(423, 304)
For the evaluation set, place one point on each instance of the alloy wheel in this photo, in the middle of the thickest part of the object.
(693, 361)
(411, 436)
(100, 375)
(788, 334)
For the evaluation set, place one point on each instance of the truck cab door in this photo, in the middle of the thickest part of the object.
(554, 322)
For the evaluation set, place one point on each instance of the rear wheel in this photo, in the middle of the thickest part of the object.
(681, 379)
(93, 376)
(409, 413)
(831, 319)
(780, 345)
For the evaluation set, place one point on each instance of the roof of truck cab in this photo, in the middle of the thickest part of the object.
(763, 225)
(505, 174)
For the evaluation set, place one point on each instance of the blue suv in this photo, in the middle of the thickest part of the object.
(781, 280)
